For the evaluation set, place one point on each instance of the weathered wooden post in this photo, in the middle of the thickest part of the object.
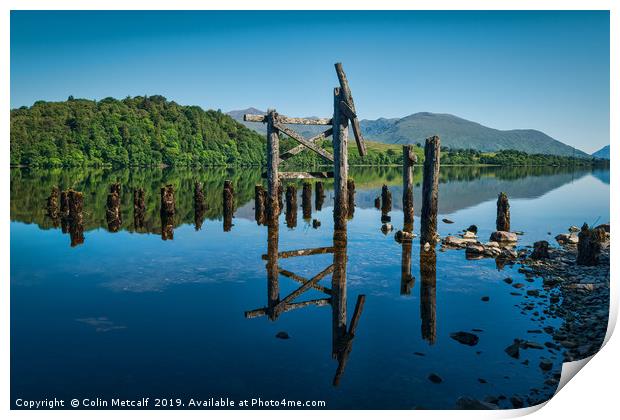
(52, 206)
(199, 205)
(306, 200)
(228, 200)
(273, 160)
(340, 139)
(319, 196)
(351, 197)
(291, 206)
(386, 199)
(113, 208)
(589, 245)
(503, 213)
(259, 204)
(409, 159)
(339, 291)
(76, 219)
(64, 204)
(430, 186)
(428, 295)
(139, 208)
(167, 200)
(406, 278)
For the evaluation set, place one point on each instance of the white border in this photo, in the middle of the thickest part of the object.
(592, 395)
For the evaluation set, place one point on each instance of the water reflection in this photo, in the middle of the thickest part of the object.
(428, 293)
(342, 337)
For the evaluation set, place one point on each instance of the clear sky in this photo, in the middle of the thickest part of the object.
(542, 70)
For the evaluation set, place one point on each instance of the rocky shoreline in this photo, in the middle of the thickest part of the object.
(575, 293)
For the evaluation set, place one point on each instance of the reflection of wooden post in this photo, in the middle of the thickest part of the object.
(319, 196)
(406, 279)
(113, 208)
(64, 204)
(291, 206)
(503, 213)
(259, 204)
(339, 291)
(351, 197)
(227, 201)
(409, 159)
(428, 292)
(199, 205)
(430, 186)
(306, 200)
(273, 160)
(340, 138)
(167, 211)
(76, 225)
(139, 208)
(273, 284)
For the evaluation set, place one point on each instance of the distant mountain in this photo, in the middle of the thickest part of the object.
(602, 154)
(458, 133)
(455, 132)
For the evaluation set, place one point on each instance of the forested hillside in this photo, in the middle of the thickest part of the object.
(138, 131)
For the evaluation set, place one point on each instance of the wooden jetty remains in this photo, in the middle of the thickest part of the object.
(409, 159)
(200, 205)
(319, 195)
(277, 124)
(113, 213)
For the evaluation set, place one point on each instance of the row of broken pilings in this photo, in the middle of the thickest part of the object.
(67, 208)
(261, 202)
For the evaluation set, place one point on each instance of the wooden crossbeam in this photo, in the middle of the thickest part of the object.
(347, 110)
(312, 146)
(289, 307)
(288, 120)
(357, 130)
(303, 252)
(300, 148)
(301, 279)
(304, 287)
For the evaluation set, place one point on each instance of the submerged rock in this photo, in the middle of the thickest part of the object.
(546, 364)
(513, 349)
(473, 229)
(283, 335)
(434, 378)
(503, 236)
(447, 221)
(466, 338)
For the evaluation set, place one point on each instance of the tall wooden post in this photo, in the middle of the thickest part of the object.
(340, 138)
(430, 186)
(273, 283)
(273, 160)
(409, 159)
(502, 223)
(351, 197)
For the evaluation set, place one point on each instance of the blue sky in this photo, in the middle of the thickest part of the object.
(542, 70)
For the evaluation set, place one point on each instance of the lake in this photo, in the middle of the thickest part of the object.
(117, 312)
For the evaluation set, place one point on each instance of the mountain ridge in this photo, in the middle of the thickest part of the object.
(602, 153)
(455, 133)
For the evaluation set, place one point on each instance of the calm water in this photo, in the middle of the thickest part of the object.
(130, 315)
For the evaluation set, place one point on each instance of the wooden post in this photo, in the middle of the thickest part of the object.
(351, 197)
(291, 206)
(227, 204)
(589, 245)
(273, 160)
(319, 196)
(409, 159)
(340, 138)
(167, 200)
(76, 225)
(199, 205)
(139, 208)
(339, 291)
(430, 186)
(113, 208)
(64, 204)
(503, 213)
(306, 200)
(386, 199)
(259, 204)
(53, 205)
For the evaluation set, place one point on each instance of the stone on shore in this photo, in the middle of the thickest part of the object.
(503, 236)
